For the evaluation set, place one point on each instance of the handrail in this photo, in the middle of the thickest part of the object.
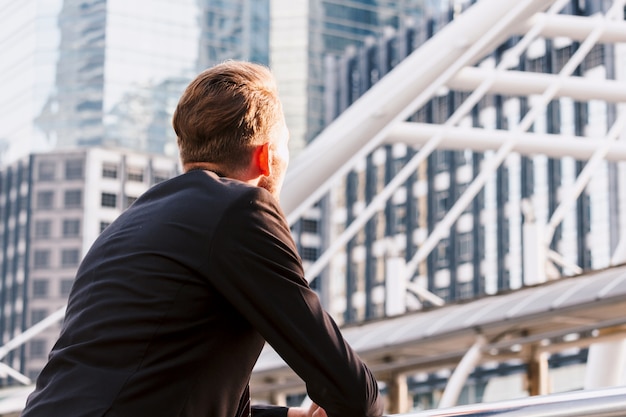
(606, 402)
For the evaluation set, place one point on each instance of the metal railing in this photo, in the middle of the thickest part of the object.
(609, 402)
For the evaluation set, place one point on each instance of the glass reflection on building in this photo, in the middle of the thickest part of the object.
(110, 72)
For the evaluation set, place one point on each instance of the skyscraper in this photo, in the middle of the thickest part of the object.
(109, 72)
(88, 91)
(304, 33)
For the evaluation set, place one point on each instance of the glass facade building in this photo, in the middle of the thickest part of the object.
(110, 72)
(305, 33)
(88, 91)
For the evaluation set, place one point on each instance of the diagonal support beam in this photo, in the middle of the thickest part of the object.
(363, 126)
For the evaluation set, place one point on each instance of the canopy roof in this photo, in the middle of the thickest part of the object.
(574, 311)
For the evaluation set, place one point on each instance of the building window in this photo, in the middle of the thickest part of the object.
(135, 174)
(40, 288)
(70, 257)
(465, 247)
(43, 229)
(41, 259)
(441, 253)
(309, 226)
(37, 315)
(441, 204)
(45, 200)
(310, 254)
(22, 202)
(159, 176)
(109, 200)
(46, 171)
(104, 225)
(130, 200)
(71, 227)
(441, 161)
(73, 198)
(400, 219)
(66, 286)
(38, 348)
(109, 170)
(21, 231)
(21, 261)
(74, 169)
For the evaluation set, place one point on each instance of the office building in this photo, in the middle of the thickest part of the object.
(109, 73)
(89, 88)
(304, 33)
(52, 207)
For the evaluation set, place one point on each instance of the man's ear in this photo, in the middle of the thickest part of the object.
(263, 159)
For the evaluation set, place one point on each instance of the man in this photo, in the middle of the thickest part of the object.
(174, 301)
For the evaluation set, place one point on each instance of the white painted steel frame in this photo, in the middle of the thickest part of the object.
(410, 167)
(490, 165)
(519, 83)
(481, 140)
(471, 56)
(363, 126)
(499, 81)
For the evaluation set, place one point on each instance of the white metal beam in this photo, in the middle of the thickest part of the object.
(519, 83)
(481, 140)
(33, 331)
(574, 27)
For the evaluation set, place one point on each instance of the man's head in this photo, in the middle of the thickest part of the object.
(229, 117)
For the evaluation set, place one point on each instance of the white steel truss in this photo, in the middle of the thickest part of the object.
(446, 61)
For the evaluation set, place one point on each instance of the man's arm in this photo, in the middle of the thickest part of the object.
(259, 271)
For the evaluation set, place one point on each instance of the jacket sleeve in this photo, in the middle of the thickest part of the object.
(262, 410)
(255, 265)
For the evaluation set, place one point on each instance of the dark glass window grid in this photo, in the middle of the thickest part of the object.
(108, 200)
(41, 259)
(40, 288)
(71, 227)
(45, 200)
(109, 171)
(135, 174)
(74, 169)
(73, 198)
(46, 171)
(70, 257)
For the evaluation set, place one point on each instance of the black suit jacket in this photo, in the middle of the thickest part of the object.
(173, 303)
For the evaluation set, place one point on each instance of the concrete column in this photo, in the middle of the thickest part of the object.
(397, 394)
(537, 376)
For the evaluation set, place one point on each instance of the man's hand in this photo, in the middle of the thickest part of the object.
(316, 411)
(313, 411)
